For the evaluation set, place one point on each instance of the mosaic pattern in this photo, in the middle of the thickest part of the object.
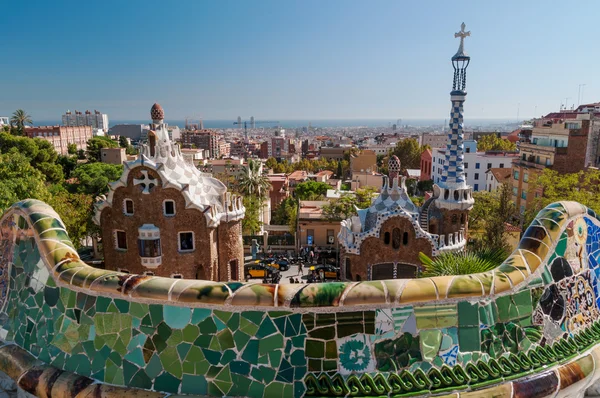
(535, 315)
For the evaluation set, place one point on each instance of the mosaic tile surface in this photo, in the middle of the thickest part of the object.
(530, 324)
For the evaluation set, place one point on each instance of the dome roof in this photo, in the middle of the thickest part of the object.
(157, 112)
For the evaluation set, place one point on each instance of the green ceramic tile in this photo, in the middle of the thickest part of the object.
(167, 382)
(430, 343)
(176, 317)
(267, 344)
(194, 384)
(326, 333)
(315, 349)
(504, 304)
(200, 314)
(266, 328)
(469, 339)
(468, 314)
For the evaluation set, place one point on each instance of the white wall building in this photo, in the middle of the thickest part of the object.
(475, 164)
(4, 121)
(95, 119)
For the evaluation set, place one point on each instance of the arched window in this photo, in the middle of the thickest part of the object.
(446, 194)
(386, 238)
(149, 273)
(454, 219)
(462, 218)
(396, 238)
(405, 238)
(177, 276)
(358, 279)
(456, 195)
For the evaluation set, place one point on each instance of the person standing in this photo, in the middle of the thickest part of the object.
(300, 271)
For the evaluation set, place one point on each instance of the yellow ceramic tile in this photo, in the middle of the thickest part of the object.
(501, 282)
(532, 260)
(514, 261)
(111, 283)
(287, 291)
(152, 287)
(487, 281)
(503, 390)
(365, 293)
(202, 292)
(394, 287)
(255, 294)
(418, 290)
(465, 286)
(442, 283)
(516, 276)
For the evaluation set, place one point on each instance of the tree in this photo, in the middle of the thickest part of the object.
(490, 213)
(123, 143)
(75, 209)
(462, 263)
(95, 144)
(582, 187)
(72, 149)
(252, 182)
(311, 190)
(271, 163)
(409, 152)
(19, 180)
(41, 154)
(251, 223)
(491, 142)
(286, 214)
(425, 186)
(345, 206)
(93, 178)
(20, 119)
(68, 164)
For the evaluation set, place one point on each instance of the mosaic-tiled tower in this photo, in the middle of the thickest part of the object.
(453, 193)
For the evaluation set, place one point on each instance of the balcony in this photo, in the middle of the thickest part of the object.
(530, 163)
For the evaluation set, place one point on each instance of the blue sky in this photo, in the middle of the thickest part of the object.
(294, 59)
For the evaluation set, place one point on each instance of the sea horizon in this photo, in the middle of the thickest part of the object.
(316, 123)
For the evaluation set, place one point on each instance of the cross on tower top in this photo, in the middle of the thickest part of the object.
(462, 34)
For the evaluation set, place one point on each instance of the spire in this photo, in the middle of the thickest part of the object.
(452, 190)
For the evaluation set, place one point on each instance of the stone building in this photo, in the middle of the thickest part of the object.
(164, 217)
(384, 240)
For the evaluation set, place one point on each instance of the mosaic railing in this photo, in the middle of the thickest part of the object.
(526, 328)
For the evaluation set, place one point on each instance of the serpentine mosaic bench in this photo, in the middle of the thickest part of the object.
(529, 328)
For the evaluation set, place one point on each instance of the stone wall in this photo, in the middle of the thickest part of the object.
(148, 209)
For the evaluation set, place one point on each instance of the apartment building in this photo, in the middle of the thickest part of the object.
(565, 141)
(475, 164)
(202, 139)
(62, 136)
(96, 120)
(363, 162)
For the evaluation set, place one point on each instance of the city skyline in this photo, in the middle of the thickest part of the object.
(339, 60)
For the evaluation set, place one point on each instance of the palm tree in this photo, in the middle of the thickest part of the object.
(252, 181)
(462, 263)
(19, 119)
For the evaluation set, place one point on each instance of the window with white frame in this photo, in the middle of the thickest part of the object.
(148, 273)
(120, 240)
(186, 241)
(128, 207)
(169, 208)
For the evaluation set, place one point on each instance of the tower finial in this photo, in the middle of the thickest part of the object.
(462, 34)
